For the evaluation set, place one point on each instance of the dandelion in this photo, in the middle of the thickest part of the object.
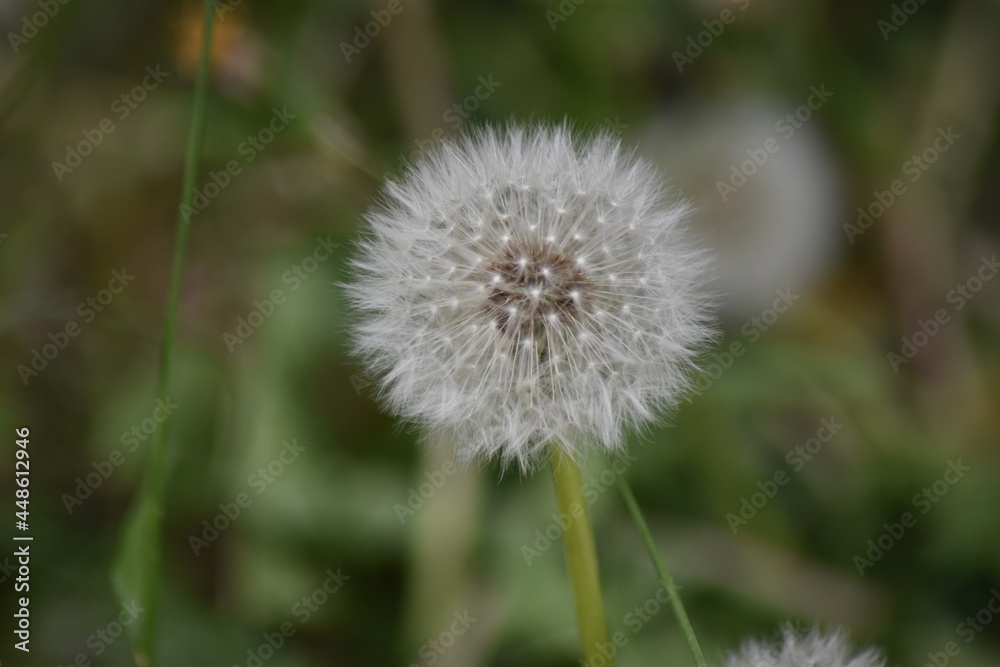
(810, 650)
(520, 288)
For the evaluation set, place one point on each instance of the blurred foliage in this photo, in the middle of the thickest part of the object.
(361, 109)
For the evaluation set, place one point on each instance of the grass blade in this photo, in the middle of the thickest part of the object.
(136, 571)
(661, 570)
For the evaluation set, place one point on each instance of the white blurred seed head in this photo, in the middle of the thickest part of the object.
(782, 227)
(804, 650)
(520, 287)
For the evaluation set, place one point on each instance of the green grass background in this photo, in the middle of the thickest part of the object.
(600, 63)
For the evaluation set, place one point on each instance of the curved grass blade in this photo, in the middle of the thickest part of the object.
(136, 571)
(661, 570)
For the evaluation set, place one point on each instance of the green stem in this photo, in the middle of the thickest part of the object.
(661, 569)
(150, 504)
(581, 557)
(196, 141)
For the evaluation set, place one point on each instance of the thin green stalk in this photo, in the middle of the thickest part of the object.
(138, 569)
(581, 558)
(661, 569)
(196, 141)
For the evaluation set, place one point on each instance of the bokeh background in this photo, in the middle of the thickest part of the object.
(802, 387)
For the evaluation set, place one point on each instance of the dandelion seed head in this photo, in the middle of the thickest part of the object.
(812, 649)
(519, 287)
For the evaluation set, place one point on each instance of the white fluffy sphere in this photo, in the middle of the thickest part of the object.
(804, 650)
(519, 287)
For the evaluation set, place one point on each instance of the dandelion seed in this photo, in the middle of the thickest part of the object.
(576, 301)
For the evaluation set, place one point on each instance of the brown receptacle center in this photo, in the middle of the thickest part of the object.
(533, 288)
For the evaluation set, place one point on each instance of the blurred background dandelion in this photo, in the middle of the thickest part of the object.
(838, 463)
